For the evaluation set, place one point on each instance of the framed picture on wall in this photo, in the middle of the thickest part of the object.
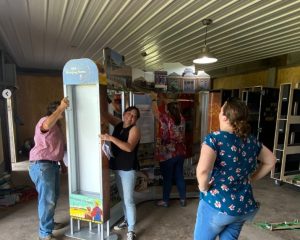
(189, 85)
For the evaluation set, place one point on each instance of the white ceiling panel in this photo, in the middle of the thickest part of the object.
(45, 34)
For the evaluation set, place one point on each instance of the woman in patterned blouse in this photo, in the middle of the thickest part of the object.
(226, 168)
(171, 149)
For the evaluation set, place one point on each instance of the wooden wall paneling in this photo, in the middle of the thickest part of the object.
(35, 92)
(242, 81)
(214, 107)
(288, 75)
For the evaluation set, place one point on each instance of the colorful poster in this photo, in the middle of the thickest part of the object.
(160, 79)
(188, 85)
(86, 208)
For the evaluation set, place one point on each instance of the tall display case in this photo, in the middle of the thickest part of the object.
(287, 136)
(88, 191)
(262, 104)
(149, 179)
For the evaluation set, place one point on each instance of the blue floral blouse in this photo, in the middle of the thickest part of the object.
(231, 192)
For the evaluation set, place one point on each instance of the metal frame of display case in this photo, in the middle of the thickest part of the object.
(262, 104)
(287, 140)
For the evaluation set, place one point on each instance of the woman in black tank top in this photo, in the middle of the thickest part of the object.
(124, 142)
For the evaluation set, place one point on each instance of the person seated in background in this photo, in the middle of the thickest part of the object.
(227, 166)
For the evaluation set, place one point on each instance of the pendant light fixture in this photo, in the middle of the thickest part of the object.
(205, 56)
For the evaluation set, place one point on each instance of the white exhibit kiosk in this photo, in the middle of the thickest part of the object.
(88, 193)
(94, 201)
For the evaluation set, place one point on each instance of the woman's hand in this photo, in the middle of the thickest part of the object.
(106, 137)
(211, 181)
(64, 103)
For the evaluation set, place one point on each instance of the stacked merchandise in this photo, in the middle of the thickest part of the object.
(10, 195)
(174, 82)
(160, 80)
(7, 197)
(188, 82)
(202, 81)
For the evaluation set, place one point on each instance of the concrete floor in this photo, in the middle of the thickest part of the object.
(174, 223)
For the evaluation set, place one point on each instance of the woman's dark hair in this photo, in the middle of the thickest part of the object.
(236, 112)
(133, 108)
(52, 107)
(174, 110)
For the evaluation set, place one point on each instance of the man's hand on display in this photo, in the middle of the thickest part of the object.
(64, 103)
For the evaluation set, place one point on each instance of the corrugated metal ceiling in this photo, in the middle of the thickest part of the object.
(45, 34)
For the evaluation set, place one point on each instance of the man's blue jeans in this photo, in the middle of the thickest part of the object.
(125, 181)
(211, 223)
(173, 169)
(45, 176)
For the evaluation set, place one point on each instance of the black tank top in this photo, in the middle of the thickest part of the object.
(123, 160)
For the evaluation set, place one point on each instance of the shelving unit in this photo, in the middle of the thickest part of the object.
(287, 136)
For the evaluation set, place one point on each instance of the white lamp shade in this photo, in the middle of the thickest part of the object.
(205, 57)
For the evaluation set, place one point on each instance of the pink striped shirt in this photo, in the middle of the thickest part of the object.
(48, 145)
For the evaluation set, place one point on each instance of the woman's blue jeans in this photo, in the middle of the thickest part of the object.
(125, 181)
(211, 223)
(173, 169)
(45, 176)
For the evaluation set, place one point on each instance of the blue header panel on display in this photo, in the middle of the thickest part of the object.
(80, 71)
